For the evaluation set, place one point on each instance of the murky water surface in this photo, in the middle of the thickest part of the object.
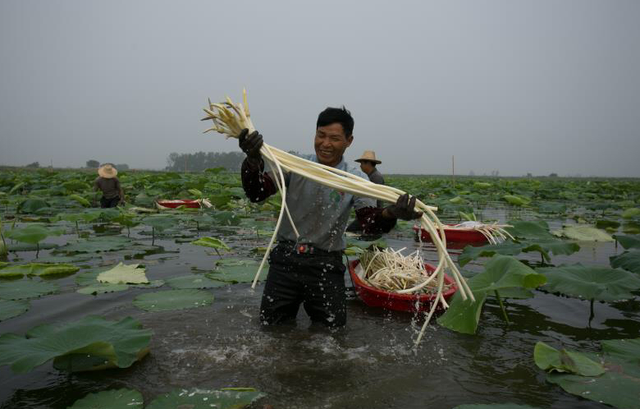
(369, 364)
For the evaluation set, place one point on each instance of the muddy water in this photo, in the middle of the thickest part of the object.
(369, 364)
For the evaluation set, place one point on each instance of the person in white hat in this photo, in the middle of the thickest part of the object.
(109, 185)
(368, 164)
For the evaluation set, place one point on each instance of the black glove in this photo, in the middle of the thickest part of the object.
(404, 208)
(251, 144)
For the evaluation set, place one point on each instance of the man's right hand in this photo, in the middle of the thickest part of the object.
(250, 143)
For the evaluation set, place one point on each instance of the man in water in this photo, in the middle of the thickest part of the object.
(109, 185)
(368, 164)
(309, 270)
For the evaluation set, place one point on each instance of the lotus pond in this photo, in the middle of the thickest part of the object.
(139, 308)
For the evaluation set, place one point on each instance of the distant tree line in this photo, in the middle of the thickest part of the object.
(199, 161)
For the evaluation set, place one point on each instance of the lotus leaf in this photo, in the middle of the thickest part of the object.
(23, 289)
(102, 289)
(631, 213)
(628, 242)
(30, 247)
(629, 260)
(583, 233)
(617, 386)
(607, 224)
(529, 229)
(96, 245)
(591, 283)
(500, 273)
(193, 281)
(32, 234)
(516, 200)
(113, 344)
(206, 399)
(32, 205)
(238, 274)
(10, 309)
(161, 222)
(47, 270)
(551, 360)
(211, 242)
(84, 202)
(112, 399)
(124, 274)
(173, 300)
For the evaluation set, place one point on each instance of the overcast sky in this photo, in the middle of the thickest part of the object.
(535, 86)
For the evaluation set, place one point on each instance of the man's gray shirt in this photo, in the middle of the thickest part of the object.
(320, 213)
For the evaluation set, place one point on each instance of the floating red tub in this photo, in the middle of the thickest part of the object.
(173, 204)
(455, 235)
(375, 297)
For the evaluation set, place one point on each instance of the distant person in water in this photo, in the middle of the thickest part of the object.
(368, 164)
(109, 185)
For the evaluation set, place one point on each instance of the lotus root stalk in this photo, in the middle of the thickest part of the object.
(231, 118)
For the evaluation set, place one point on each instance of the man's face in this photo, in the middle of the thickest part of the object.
(366, 166)
(330, 143)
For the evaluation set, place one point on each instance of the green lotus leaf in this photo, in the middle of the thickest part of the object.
(617, 386)
(206, 399)
(23, 289)
(111, 399)
(161, 222)
(84, 202)
(500, 273)
(194, 281)
(584, 233)
(629, 260)
(88, 277)
(124, 274)
(173, 300)
(32, 234)
(516, 200)
(591, 283)
(496, 406)
(30, 247)
(10, 309)
(45, 270)
(631, 213)
(529, 229)
(238, 274)
(628, 242)
(195, 192)
(113, 344)
(211, 242)
(32, 205)
(102, 289)
(96, 245)
(607, 224)
(470, 253)
(552, 208)
(552, 360)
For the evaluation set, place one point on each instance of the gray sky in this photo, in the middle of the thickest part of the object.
(534, 86)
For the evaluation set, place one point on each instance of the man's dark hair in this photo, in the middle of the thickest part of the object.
(336, 115)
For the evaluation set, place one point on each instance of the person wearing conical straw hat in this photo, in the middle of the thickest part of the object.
(109, 185)
(368, 162)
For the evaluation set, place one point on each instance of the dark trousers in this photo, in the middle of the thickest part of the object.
(314, 280)
(106, 203)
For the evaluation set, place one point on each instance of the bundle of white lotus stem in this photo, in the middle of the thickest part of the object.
(390, 270)
(230, 119)
(495, 233)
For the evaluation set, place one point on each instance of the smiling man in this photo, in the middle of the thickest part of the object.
(308, 270)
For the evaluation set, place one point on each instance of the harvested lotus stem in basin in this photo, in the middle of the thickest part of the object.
(389, 270)
(230, 119)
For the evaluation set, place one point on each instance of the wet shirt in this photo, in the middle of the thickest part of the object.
(110, 187)
(320, 213)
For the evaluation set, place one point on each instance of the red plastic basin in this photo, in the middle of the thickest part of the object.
(455, 235)
(172, 204)
(375, 297)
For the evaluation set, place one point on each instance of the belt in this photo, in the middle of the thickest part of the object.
(301, 248)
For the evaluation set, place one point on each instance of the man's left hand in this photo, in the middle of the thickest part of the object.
(403, 209)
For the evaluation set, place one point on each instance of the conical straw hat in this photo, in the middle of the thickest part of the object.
(107, 171)
(369, 156)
